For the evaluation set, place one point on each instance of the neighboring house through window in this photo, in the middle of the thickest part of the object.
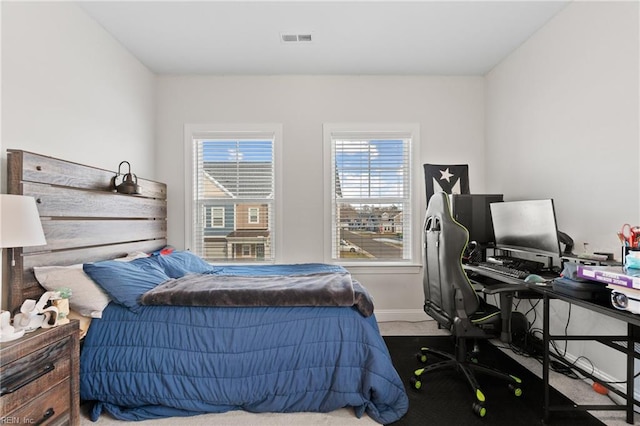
(370, 178)
(231, 193)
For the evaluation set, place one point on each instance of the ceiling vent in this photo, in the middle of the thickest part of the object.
(295, 38)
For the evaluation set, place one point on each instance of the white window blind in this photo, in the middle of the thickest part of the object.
(371, 196)
(233, 180)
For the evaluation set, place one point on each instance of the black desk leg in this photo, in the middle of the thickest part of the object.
(630, 370)
(506, 306)
(545, 358)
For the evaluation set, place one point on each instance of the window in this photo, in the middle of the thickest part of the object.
(215, 217)
(254, 215)
(232, 180)
(370, 191)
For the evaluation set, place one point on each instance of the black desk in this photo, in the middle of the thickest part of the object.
(622, 343)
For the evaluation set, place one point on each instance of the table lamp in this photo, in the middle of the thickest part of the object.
(19, 222)
(19, 227)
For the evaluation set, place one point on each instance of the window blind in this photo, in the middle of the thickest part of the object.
(233, 197)
(371, 196)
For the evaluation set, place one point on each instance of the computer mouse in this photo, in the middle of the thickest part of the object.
(533, 278)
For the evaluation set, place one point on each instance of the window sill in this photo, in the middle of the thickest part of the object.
(381, 268)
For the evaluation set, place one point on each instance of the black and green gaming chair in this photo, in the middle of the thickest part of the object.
(452, 301)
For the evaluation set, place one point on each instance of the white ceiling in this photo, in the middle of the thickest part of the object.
(348, 37)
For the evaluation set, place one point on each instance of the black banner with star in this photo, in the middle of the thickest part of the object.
(450, 178)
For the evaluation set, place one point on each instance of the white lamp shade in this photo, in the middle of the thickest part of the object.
(20, 222)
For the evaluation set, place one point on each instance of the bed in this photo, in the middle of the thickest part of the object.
(143, 361)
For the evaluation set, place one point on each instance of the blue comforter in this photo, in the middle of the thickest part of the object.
(178, 361)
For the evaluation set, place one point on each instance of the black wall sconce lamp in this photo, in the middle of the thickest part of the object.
(129, 181)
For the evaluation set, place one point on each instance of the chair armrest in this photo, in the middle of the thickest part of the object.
(503, 288)
(506, 292)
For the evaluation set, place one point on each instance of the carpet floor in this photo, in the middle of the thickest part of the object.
(446, 398)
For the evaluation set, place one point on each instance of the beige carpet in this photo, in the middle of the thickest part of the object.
(338, 417)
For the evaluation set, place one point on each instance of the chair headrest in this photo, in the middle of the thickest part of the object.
(439, 217)
(439, 206)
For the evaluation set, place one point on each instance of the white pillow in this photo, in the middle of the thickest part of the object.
(87, 298)
(132, 256)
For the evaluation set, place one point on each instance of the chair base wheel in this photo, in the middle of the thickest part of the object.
(515, 390)
(415, 383)
(422, 356)
(479, 409)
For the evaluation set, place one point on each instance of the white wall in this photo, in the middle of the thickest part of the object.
(70, 91)
(562, 122)
(448, 109)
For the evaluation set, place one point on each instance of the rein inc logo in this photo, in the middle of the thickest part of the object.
(15, 420)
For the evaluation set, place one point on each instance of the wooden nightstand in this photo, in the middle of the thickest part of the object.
(39, 376)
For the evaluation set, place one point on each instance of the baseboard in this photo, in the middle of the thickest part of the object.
(587, 366)
(412, 315)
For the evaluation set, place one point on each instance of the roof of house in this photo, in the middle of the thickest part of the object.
(242, 179)
(248, 234)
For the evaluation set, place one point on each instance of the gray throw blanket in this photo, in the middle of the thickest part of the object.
(321, 289)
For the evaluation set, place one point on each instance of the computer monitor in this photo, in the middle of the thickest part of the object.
(526, 226)
(472, 211)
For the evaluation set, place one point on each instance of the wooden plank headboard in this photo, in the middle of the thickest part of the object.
(83, 220)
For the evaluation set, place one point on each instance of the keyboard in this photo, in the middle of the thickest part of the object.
(504, 270)
(531, 266)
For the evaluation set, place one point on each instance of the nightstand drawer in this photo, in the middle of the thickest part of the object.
(32, 375)
(52, 407)
(39, 377)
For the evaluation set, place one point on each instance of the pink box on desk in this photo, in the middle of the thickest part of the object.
(615, 275)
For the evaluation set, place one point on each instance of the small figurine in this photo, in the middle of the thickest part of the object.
(61, 301)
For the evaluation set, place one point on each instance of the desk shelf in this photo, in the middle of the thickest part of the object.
(622, 343)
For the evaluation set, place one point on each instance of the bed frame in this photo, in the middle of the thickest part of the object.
(82, 218)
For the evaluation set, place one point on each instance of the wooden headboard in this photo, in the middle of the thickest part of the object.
(82, 218)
